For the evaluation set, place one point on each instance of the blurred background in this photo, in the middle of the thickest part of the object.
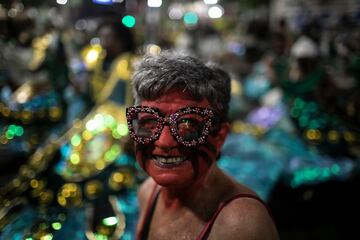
(67, 169)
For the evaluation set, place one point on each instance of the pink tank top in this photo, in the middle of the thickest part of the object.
(145, 225)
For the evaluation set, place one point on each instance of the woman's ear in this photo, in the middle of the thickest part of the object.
(222, 134)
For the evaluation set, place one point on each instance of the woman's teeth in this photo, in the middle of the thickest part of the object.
(169, 160)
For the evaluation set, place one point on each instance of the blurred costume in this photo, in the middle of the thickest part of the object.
(81, 185)
(106, 75)
(313, 99)
(291, 133)
(31, 103)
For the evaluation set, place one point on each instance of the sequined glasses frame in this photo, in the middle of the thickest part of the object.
(131, 113)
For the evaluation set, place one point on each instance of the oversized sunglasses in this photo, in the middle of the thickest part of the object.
(189, 126)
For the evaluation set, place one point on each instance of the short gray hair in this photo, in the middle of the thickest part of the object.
(158, 74)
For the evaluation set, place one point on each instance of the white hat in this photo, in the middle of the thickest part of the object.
(304, 47)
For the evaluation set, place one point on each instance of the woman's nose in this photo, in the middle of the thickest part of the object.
(166, 139)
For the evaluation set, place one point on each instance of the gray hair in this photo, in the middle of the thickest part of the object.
(158, 74)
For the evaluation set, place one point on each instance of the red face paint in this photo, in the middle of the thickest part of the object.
(168, 162)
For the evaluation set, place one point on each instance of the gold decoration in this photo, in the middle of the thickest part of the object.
(26, 116)
(26, 171)
(350, 136)
(93, 189)
(242, 127)
(40, 44)
(313, 134)
(96, 143)
(37, 186)
(333, 136)
(123, 177)
(90, 55)
(46, 197)
(69, 195)
(103, 82)
(55, 113)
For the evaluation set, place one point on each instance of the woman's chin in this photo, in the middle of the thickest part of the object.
(171, 176)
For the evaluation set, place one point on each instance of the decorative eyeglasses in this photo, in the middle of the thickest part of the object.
(189, 126)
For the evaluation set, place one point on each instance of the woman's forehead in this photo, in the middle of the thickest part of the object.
(172, 101)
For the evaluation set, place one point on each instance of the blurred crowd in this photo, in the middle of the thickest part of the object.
(63, 87)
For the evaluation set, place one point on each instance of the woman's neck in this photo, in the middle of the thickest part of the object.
(192, 194)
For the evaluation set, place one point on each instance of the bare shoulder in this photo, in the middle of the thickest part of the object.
(244, 218)
(145, 191)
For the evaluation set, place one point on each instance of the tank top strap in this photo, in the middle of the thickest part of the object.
(207, 228)
(150, 208)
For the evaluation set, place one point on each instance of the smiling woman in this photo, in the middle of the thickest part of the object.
(179, 125)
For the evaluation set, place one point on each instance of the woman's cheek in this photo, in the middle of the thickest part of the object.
(141, 153)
